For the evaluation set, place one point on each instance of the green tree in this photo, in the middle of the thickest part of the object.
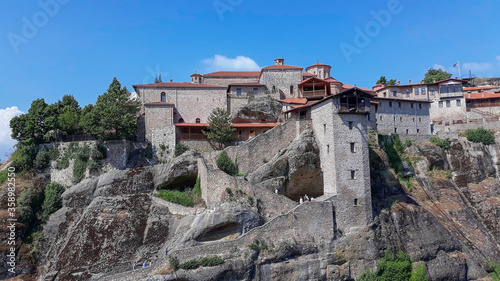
(394, 268)
(227, 165)
(382, 80)
(436, 74)
(220, 130)
(113, 116)
(392, 82)
(53, 200)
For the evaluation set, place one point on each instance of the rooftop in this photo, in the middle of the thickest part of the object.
(233, 74)
(179, 85)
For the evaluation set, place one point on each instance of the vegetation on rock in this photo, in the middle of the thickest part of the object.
(443, 143)
(180, 148)
(219, 130)
(480, 135)
(395, 268)
(227, 165)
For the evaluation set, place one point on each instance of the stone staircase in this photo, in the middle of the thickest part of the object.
(485, 113)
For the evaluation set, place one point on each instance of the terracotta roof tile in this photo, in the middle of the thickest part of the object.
(482, 96)
(179, 85)
(233, 74)
(294, 100)
(480, 88)
(284, 66)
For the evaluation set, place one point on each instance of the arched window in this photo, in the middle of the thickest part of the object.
(163, 97)
(198, 120)
(181, 120)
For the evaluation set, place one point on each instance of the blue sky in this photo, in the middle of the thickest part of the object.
(50, 48)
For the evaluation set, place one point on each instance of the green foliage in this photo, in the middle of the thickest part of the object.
(187, 198)
(227, 165)
(3, 176)
(54, 152)
(93, 166)
(435, 74)
(79, 169)
(368, 276)
(197, 188)
(173, 262)
(42, 159)
(207, 262)
(35, 241)
(98, 152)
(53, 200)
(29, 204)
(113, 116)
(480, 135)
(381, 80)
(494, 270)
(419, 273)
(162, 146)
(394, 268)
(391, 146)
(149, 152)
(24, 156)
(180, 148)
(229, 191)
(443, 143)
(240, 174)
(250, 200)
(219, 130)
(391, 82)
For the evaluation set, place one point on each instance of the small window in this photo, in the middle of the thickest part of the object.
(181, 120)
(291, 90)
(395, 130)
(419, 106)
(432, 91)
(459, 103)
(390, 104)
(274, 88)
(416, 91)
(422, 91)
(255, 91)
(440, 104)
(418, 131)
(419, 119)
(380, 118)
(400, 119)
(238, 91)
(399, 104)
(394, 118)
(355, 201)
(352, 148)
(327, 148)
(407, 131)
(353, 175)
(407, 92)
(411, 105)
(163, 97)
(351, 125)
(413, 119)
(448, 103)
(368, 116)
(324, 128)
(394, 93)
(198, 120)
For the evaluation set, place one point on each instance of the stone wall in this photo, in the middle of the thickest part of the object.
(157, 116)
(441, 111)
(282, 79)
(163, 142)
(225, 81)
(198, 145)
(403, 117)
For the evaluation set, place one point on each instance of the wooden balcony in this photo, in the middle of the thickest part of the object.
(314, 93)
(354, 108)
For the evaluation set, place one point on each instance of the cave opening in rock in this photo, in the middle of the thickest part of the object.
(227, 231)
(180, 183)
(305, 181)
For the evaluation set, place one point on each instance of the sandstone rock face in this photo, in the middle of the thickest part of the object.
(264, 109)
(294, 171)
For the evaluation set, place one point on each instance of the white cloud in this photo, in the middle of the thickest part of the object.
(5, 116)
(474, 66)
(219, 62)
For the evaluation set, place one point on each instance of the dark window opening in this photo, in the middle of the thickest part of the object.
(352, 148)
(355, 201)
(351, 124)
(163, 97)
(353, 175)
(198, 120)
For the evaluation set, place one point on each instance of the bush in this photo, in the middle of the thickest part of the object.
(185, 198)
(494, 271)
(207, 262)
(480, 135)
(250, 200)
(3, 176)
(419, 274)
(368, 276)
(93, 166)
(42, 159)
(63, 163)
(443, 143)
(180, 148)
(394, 268)
(54, 152)
(24, 156)
(35, 240)
(53, 200)
(227, 165)
(174, 262)
(98, 152)
(29, 203)
(79, 169)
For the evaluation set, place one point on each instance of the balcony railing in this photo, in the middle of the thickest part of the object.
(352, 108)
(314, 93)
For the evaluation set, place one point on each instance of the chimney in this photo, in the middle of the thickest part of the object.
(468, 95)
(409, 82)
(434, 80)
(456, 77)
(279, 61)
(171, 80)
(399, 83)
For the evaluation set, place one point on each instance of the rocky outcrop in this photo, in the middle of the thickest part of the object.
(294, 171)
(264, 109)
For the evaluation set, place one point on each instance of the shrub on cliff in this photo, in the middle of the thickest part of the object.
(480, 135)
(395, 268)
(180, 148)
(227, 165)
(53, 200)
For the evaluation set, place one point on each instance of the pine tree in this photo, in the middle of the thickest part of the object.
(220, 130)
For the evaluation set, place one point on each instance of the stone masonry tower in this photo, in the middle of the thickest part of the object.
(340, 126)
(321, 70)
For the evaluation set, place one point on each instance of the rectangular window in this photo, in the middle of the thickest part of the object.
(400, 119)
(416, 91)
(255, 91)
(355, 201)
(238, 91)
(399, 104)
(380, 118)
(395, 130)
(407, 93)
(368, 116)
(448, 103)
(419, 119)
(353, 175)
(413, 119)
(459, 103)
(422, 91)
(419, 106)
(394, 93)
(352, 148)
(407, 131)
(351, 125)
(390, 104)
(411, 105)
(432, 91)
(440, 104)
(418, 131)
(163, 97)
(291, 90)
(443, 89)
(324, 128)
(327, 148)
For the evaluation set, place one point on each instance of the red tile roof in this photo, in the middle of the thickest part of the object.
(247, 84)
(313, 79)
(480, 88)
(159, 103)
(284, 66)
(308, 74)
(307, 105)
(233, 74)
(294, 100)
(347, 87)
(482, 96)
(179, 85)
(236, 125)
